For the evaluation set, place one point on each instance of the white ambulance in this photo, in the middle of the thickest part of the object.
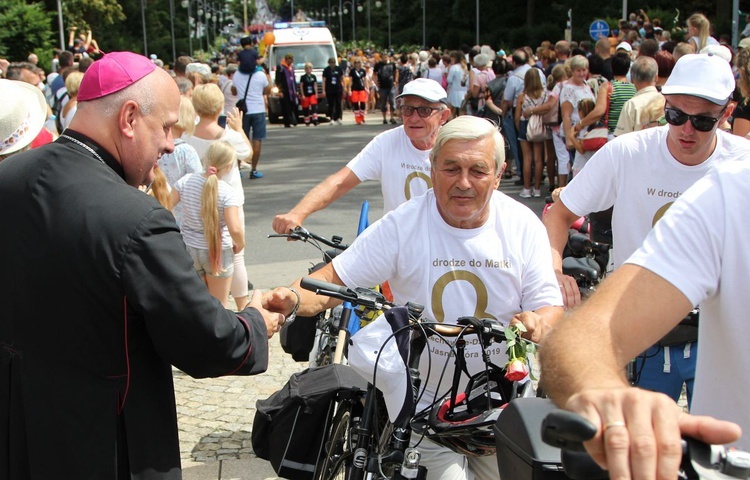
(308, 42)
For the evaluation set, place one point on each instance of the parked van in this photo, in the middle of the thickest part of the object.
(308, 42)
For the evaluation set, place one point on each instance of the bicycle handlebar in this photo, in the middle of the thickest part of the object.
(376, 301)
(304, 235)
(568, 431)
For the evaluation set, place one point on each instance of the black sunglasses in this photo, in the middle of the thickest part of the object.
(424, 112)
(702, 123)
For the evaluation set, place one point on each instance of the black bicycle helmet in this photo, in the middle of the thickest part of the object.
(464, 424)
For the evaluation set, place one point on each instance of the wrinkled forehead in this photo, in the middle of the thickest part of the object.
(416, 101)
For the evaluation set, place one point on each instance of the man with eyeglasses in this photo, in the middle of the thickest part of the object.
(641, 174)
(399, 158)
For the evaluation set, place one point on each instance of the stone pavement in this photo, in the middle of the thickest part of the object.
(215, 417)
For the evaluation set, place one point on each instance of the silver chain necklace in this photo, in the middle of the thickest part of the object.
(80, 143)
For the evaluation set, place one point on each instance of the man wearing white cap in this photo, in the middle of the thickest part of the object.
(463, 248)
(697, 253)
(398, 158)
(641, 174)
(87, 378)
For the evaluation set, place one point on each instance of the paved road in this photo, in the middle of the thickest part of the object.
(215, 415)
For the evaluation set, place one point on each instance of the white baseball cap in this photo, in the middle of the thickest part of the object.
(624, 46)
(700, 75)
(382, 358)
(425, 88)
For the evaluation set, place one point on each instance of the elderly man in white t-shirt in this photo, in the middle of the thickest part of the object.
(398, 158)
(463, 248)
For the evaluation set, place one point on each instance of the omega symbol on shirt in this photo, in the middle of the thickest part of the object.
(412, 176)
(660, 213)
(480, 311)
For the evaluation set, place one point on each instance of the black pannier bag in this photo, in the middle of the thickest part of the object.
(298, 337)
(290, 426)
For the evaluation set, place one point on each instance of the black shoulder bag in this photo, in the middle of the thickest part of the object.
(241, 102)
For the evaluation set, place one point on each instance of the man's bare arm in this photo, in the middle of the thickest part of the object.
(322, 195)
(583, 370)
(283, 299)
(557, 221)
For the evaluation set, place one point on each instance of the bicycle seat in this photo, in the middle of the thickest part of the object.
(581, 268)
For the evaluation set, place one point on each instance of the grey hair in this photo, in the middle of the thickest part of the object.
(142, 92)
(578, 62)
(467, 127)
(644, 70)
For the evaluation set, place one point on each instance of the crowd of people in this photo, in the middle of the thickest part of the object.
(647, 131)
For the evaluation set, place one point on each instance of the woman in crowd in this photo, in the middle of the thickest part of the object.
(209, 102)
(211, 227)
(665, 62)
(458, 77)
(478, 83)
(72, 83)
(572, 92)
(699, 32)
(357, 90)
(531, 102)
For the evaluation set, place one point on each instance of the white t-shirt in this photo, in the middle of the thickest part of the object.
(402, 169)
(637, 174)
(497, 270)
(573, 94)
(191, 188)
(254, 97)
(240, 146)
(700, 247)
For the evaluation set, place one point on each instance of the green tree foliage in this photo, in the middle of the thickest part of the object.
(25, 29)
(86, 14)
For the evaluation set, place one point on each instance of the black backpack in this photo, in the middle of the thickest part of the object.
(405, 76)
(57, 108)
(291, 425)
(385, 73)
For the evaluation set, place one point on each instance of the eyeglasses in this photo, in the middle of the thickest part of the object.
(702, 123)
(424, 112)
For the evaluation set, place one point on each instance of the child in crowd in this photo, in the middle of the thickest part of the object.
(308, 90)
(183, 159)
(249, 59)
(211, 224)
(582, 156)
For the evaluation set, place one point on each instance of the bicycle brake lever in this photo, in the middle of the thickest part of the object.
(567, 430)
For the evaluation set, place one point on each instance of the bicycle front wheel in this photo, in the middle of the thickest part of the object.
(337, 455)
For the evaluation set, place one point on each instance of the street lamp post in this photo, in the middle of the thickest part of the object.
(424, 40)
(354, 6)
(388, 6)
(171, 24)
(143, 20)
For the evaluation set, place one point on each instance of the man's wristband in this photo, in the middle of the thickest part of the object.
(290, 318)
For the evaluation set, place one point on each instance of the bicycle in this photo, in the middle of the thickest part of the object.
(586, 261)
(361, 444)
(314, 339)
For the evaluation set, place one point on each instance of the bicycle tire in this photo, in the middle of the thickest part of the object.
(337, 453)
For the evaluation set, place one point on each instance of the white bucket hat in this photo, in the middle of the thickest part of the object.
(23, 115)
